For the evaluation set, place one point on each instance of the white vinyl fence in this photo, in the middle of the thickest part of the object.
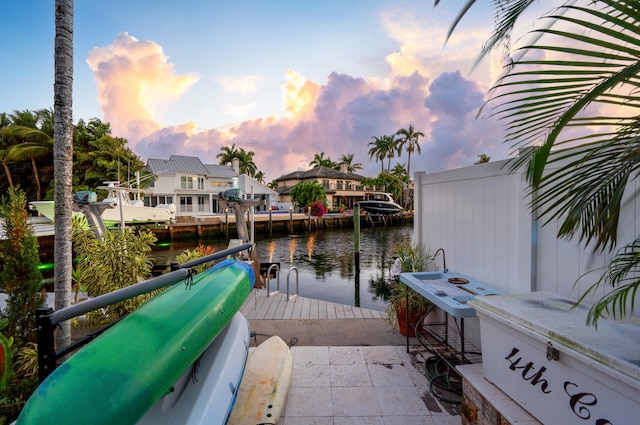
(480, 216)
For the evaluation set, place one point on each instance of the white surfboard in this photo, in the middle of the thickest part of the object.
(265, 384)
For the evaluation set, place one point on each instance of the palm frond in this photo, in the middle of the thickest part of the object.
(578, 83)
(622, 275)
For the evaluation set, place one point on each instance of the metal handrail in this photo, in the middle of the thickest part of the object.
(269, 277)
(293, 268)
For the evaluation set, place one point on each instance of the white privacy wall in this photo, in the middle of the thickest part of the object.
(480, 215)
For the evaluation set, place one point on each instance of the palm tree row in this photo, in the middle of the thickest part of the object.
(347, 159)
(26, 137)
(386, 147)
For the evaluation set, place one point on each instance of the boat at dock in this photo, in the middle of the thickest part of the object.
(128, 207)
(380, 203)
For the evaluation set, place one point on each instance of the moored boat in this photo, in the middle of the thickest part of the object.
(128, 207)
(132, 209)
(380, 203)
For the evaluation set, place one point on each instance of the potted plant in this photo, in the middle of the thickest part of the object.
(409, 258)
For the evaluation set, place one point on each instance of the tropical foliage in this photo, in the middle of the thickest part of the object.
(27, 153)
(320, 161)
(412, 258)
(316, 209)
(352, 167)
(119, 260)
(21, 280)
(190, 255)
(387, 146)
(383, 147)
(408, 137)
(576, 83)
(20, 277)
(245, 160)
(303, 194)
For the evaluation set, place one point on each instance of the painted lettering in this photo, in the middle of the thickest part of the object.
(581, 401)
(527, 369)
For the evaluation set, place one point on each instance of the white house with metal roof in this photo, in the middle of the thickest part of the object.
(194, 187)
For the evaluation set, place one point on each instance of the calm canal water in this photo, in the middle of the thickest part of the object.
(325, 261)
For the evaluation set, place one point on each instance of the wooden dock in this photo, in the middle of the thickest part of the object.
(276, 307)
(224, 225)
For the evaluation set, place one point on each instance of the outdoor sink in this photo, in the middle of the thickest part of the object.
(449, 291)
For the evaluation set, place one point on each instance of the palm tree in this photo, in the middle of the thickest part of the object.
(320, 161)
(5, 144)
(409, 137)
(381, 148)
(32, 142)
(391, 146)
(540, 100)
(351, 167)
(259, 177)
(63, 160)
(273, 185)
(247, 166)
(227, 154)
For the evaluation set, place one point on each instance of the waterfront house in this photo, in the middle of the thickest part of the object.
(194, 187)
(342, 188)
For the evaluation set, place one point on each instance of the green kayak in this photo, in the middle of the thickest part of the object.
(119, 376)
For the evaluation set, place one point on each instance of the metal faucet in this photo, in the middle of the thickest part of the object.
(444, 259)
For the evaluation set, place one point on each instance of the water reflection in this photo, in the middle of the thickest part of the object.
(325, 260)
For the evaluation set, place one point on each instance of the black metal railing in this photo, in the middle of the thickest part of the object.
(47, 319)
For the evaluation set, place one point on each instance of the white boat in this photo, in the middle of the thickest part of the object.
(380, 203)
(129, 208)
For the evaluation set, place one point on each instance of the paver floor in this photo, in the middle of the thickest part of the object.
(360, 386)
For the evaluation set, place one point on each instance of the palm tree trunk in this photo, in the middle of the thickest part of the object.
(36, 177)
(62, 160)
(8, 173)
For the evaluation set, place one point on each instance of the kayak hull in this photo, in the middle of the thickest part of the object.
(120, 375)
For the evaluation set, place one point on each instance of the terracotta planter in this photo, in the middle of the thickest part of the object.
(415, 317)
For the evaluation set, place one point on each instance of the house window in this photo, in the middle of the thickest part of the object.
(349, 186)
(325, 184)
(340, 184)
(186, 182)
(200, 183)
(186, 204)
(202, 204)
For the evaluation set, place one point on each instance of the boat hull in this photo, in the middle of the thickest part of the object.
(111, 216)
(120, 375)
(136, 214)
(373, 207)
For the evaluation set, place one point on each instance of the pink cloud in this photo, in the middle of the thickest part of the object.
(339, 116)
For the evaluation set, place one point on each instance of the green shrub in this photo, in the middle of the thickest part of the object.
(119, 260)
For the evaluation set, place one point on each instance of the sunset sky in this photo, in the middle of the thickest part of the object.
(285, 79)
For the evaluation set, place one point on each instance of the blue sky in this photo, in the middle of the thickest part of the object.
(285, 79)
